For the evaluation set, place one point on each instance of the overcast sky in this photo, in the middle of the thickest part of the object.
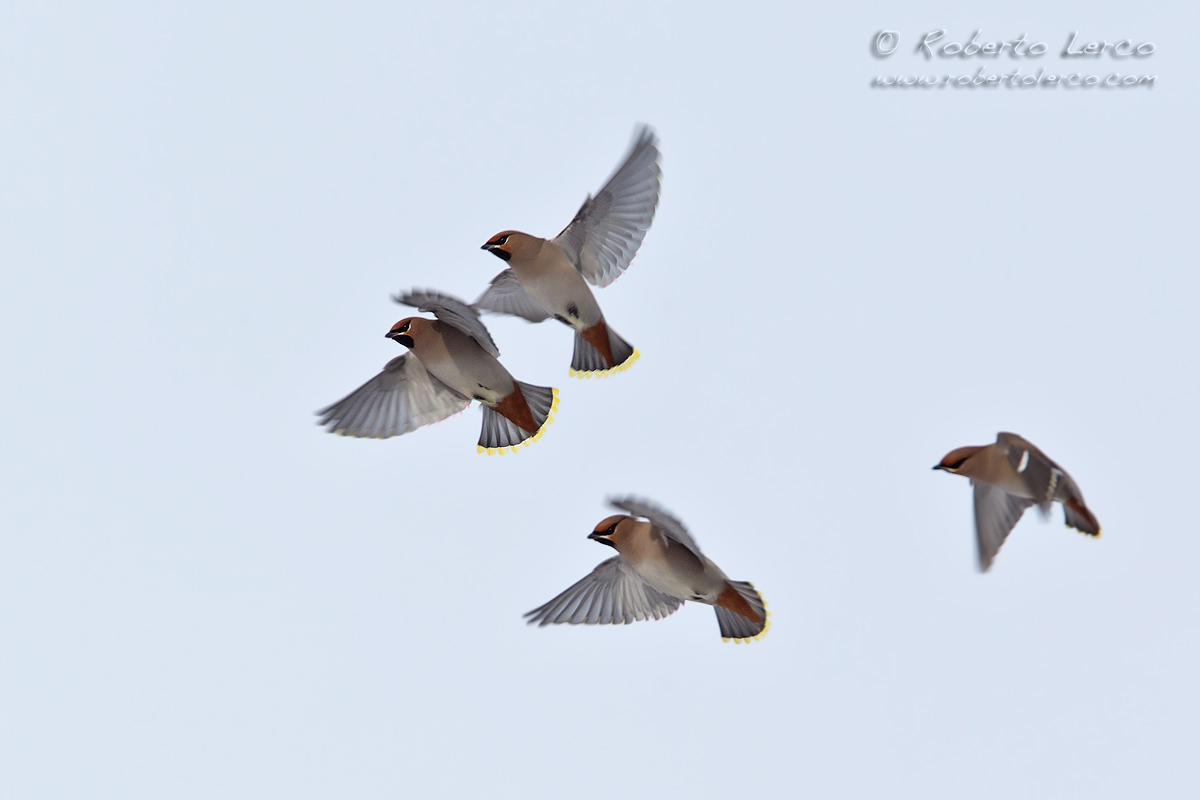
(205, 209)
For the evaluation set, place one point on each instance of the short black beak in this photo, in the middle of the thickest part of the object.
(495, 250)
(400, 338)
(938, 466)
(602, 538)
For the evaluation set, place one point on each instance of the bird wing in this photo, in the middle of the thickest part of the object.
(608, 229)
(1037, 470)
(996, 513)
(453, 312)
(400, 399)
(1047, 482)
(612, 594)
(672, 528)
(507, 296)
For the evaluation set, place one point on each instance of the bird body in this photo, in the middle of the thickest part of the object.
(458, 361)
(676, 571)
(990, 464)
(452, 360)
(1009, 476)
(658, 567)
(555, 284)
(545, 278)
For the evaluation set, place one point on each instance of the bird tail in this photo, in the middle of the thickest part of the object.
(600, 351)
(742, 613)
(1078, 516)
(519, 418)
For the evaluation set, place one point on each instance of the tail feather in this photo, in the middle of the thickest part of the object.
(533, 405)
(588, 360)
(622, 351)
(542, 400)
(1077, 516)
(737, 627)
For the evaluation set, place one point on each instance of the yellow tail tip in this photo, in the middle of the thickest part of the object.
(604, 373)
(755, 637)
(499, 451)
(493, 451)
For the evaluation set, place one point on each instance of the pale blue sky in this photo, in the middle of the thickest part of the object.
(203, 212)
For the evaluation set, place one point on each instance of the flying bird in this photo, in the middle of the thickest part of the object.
(1009, 476)
(452, 360)
(545, 277)
(658, 566)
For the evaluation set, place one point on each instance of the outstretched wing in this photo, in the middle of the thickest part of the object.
(453, 312)
(507, 296)
(608, 229)
(661, 519)
(1037, 470)
(1047, 482)
(400, 399)
(612, 594)
(996, 514)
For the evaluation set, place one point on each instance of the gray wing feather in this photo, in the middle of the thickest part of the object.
(400, 399)
(453, 312)
(507, 296)
(661, 519)
(1040, 474)
(612, 594)
(608, 229)
(996, 514)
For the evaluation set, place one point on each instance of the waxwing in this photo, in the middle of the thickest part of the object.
(658, 566)
(1009, 476)
(545, 277)
(452, 360)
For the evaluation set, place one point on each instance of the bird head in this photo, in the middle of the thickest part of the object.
(606, 532)
(506, 244)
(402, 332)
(955, 458)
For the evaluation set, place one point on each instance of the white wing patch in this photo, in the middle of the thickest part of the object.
(1024, 461)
